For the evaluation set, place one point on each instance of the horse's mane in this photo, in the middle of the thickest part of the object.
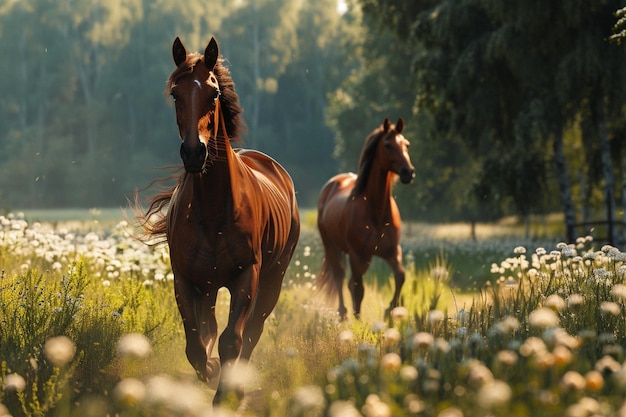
(368, 153)
(154, 221)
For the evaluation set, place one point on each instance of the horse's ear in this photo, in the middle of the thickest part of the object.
(399, 125)
(386, 125)
(179, 52)
(211, 54)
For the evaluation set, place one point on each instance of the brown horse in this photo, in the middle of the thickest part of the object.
(358, 216)
(232, 218)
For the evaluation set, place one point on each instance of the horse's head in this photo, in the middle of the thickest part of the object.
(195, 90)
(396, 148)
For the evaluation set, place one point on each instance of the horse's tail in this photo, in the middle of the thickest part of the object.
(326, 281)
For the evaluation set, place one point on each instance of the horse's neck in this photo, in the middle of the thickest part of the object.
(216, 190)
(378, 192)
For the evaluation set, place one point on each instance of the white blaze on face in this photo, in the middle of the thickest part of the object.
(403, 143)
(201, 138)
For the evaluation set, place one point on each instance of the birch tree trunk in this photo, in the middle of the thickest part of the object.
(607, 170)
(565, 187)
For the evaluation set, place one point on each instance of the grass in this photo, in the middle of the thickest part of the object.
(499, 326)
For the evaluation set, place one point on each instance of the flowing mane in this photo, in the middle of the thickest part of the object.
(368, 154)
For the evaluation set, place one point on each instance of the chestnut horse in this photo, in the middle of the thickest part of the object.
(358, 216)
(232, 218)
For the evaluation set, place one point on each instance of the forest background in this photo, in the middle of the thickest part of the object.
(512, 107)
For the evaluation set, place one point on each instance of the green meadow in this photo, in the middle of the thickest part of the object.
(500, 325)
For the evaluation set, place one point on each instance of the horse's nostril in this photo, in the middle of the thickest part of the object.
(193, 158)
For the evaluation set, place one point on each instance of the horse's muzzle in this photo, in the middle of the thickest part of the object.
(193, 157)
(407, 175)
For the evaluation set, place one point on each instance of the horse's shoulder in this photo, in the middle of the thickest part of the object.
(258, 160)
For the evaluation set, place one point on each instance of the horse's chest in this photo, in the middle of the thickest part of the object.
(198, 250)
(373, 238)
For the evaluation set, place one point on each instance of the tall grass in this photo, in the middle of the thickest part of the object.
(89, 327)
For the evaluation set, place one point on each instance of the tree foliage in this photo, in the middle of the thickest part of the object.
(497, 85)
(84, 119)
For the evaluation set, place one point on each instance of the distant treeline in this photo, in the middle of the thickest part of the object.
(512, 107)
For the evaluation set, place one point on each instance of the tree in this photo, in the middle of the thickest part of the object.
(501, 76)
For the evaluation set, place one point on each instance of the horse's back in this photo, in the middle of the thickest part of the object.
(331, 208)
(338, 187)
(265, 166)
(277, 194)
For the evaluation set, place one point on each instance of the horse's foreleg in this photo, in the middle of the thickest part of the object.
(205, 313)
(189, 304)
(399, 276)
(243, 291)
(266, 301)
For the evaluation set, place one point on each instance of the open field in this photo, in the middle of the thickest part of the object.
(489, 327)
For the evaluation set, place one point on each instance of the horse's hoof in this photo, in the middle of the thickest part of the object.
(213, 367)
(213, 370)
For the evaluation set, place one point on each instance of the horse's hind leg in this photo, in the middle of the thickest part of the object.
(399, 276)
(358, 267)
(198, 314)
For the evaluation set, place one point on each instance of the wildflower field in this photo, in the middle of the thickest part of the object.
(497, 327)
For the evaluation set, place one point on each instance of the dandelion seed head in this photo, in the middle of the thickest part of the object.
(507, 358)
(562, 356)
(309, 399)
(607, 365)
(59, 350)
(133, 345)
(391, 362)
(378, 327)
(435, 317)
(239, 374)
(375, 407)
(423, 340)
(519, 250)
(399, 313)
(176, 397)
(408, 373)
(532, 346)
(494, 394)
(346, 336)
(594, 381)
(543, 318)
(14, 382)
(554, 302)
(413, 404)
(610, 308)
(479, 374)
(391, 336)
(343, 409)
(572, 381)
(129, 392)
(575, 300)
(619, 292)
(451, 412)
